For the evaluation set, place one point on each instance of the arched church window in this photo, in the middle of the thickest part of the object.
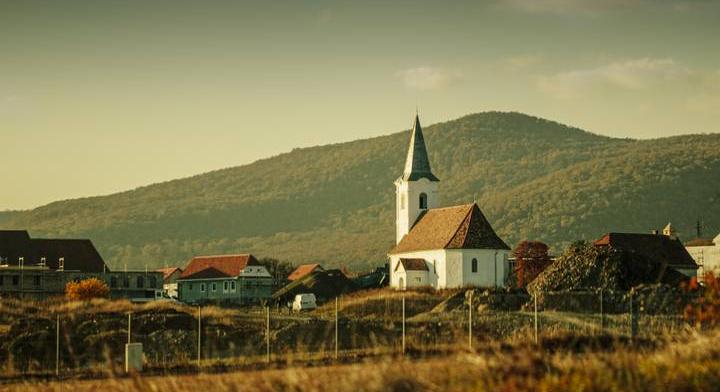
(423, 201)
(473, 265)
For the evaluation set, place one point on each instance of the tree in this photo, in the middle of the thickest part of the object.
(704, 311)
(279, 270)
(531, 258)
(87, 289)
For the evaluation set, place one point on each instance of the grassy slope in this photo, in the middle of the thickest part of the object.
(334, 204)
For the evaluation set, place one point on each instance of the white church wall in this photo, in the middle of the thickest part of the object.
(492, 267)
(707, 258)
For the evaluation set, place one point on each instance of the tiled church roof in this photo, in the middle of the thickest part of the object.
(458, 227)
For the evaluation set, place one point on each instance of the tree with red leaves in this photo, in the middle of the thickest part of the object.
(531, 258)
(87, 289)
(704, 311)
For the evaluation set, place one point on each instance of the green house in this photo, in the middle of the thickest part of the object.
(230, 279)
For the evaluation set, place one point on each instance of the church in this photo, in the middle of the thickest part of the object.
(444, 247)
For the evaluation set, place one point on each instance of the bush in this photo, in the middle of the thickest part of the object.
(705, 310)
(87, 289)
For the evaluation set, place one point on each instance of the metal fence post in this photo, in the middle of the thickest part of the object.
(57, 346)
(470, 320)
(129, 340)
(602, 313)
(336, 328)
(633, 315)
(403, 324)
(267, 333)
(199, 341)
(536, 317)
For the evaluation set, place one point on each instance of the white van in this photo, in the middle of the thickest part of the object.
(304, 302)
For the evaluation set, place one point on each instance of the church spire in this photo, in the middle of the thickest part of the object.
(417, 165)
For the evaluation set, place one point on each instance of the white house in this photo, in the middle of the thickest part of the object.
(706, 253)
(440, 247)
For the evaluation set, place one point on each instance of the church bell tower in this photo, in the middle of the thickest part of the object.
(416, 189)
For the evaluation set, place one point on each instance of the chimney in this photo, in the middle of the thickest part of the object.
(654, 232)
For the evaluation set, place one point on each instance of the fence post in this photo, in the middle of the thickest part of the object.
(403, 324)
(336, 328)
(536, 317)
(129, 327)
(633, 315)
(199, 341)
(267, 333)
(57, 346)
(602, 313)
(470, 320)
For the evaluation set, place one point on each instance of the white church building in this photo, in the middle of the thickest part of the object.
(440, 247)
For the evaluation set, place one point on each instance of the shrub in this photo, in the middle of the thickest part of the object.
(87, 289)
(705, 310)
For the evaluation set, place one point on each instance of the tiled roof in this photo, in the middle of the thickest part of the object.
(413, 265)
(303, 270)
(207, 273)
(167, 272)
(417, 164)
(79, 254)
(227, 265)
(655, 247)
(458, 227)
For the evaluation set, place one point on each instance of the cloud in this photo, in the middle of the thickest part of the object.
(520, 62)
(636, 74)
(428, 78)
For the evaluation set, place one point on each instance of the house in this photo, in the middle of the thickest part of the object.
(303, 270)
(706, 253)
(665, 248)
(325, 284)
(170, 277)
(38, 268)
(440, 247)
(237, 279)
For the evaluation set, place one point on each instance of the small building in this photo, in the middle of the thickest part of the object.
(304, 270)
(706, 253)
(325, 285)
(665, 248)
(440, 247)
(38, 268)
(170, 277)
(228, 279)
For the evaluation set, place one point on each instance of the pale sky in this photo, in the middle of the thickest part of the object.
(103, 96)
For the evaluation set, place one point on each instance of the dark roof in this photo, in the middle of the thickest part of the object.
(700, 242)
(303, 270)
(324, 284)
(417, 165)
(79, 254)
(413, 265)
(655, 247)
(459, 227)
(227, 265)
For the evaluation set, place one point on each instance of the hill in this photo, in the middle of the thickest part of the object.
(334, 204)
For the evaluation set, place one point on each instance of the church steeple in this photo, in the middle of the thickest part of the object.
(417, 164)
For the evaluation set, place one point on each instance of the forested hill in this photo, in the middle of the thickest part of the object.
(334, 204)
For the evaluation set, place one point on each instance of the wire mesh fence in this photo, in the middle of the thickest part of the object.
(67, 341)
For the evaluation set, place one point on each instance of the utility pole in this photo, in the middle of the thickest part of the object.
(267, 333)
(129, 327)
(536, 318)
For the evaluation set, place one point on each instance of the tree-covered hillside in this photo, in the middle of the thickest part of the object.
(334, 204)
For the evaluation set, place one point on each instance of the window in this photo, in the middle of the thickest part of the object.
(232, 286)
(214, 287)
(113, 282)
(473, 265)
(15, 280)
(37, 280)
(2, 280)
(226, 286)
(126, 282)
(202, 287)
(417, 279)
(190, 287)
(152, 281)
(423, 201)
(140, 282)
(402, 201)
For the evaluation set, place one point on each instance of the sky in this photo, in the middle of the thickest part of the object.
(103, 96)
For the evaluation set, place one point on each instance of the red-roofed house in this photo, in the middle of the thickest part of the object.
(304, 270)
(170, 277)
(229, 278)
